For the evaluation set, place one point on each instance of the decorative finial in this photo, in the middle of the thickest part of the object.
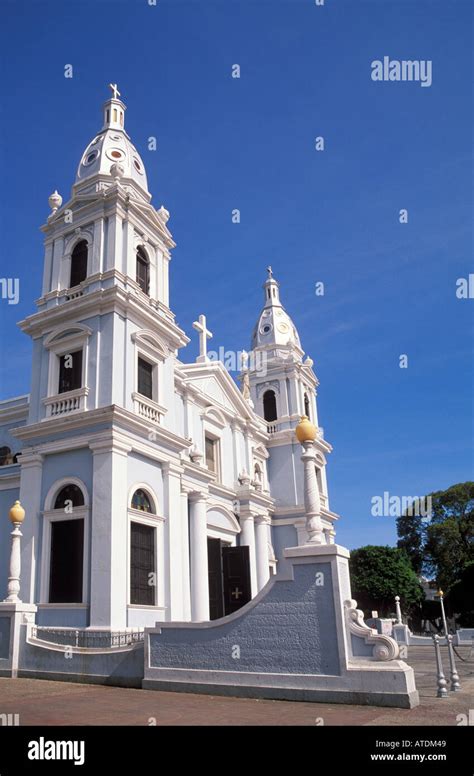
(17, 513)
(115, 90)
(270, 271)
(305, 430)
(117, 171)
(55, 201)
(163, 214)
(195, 455)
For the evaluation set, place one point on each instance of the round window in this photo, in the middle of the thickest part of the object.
(266, 328)
(90, 158)
(116, 154)
(137, 165)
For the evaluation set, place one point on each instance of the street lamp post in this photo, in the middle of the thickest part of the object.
(454, 676)
(441, 679)
(16, 515)
(440, 595)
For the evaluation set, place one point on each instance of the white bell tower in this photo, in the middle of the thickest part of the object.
(104, 307)
(283, 387)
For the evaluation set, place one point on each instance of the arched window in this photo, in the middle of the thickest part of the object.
(78, 264)
(70, 493)
(142, 501)
(269, 406)
(306, 406)
(143, 270)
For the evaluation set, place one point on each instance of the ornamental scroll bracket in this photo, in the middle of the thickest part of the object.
(384, 647)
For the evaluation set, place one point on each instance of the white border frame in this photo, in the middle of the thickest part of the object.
(51, 515)
(156, 521)
(60, 345)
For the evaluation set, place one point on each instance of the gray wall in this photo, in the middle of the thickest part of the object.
(291, 629)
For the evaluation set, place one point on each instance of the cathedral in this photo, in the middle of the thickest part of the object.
(155, 490)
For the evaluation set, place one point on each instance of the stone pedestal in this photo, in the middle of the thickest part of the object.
(12, 617)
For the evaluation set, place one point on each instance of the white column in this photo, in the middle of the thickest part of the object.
(235, 451)
(163, 292)
(261, 542)
(284, 406)
(248, 450)
(312, 502)
(247, 538)
(172, 482)
(97, 247)
(185, 556)
(199, 562)
(188, 420)
(114, 258)
(13, 587)
(48, 263)
(301, 393)
(109, 536)
(58, 251)
(30, 497)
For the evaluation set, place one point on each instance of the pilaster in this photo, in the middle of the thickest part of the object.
(109, 535)
(31, 475)
(173, 539)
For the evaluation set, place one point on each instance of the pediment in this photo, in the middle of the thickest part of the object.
(215, 384)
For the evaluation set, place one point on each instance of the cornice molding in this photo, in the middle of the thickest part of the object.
(101, 302)
(119, 417)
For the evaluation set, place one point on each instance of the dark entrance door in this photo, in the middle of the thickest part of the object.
(229, 578)
(67, 549)
(236, 568)
(216, 597)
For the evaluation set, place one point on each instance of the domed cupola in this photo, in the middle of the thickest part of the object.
(274, 327)
(112, 155)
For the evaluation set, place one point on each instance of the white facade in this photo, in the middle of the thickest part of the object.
(116, 411)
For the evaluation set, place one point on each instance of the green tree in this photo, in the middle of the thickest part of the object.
(378, 574)
(442, 543)
(460, 599)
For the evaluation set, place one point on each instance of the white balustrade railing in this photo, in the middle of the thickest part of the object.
(147, 408)
(74, 294)
(65, 403)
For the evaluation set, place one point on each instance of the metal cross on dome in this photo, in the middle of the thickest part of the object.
(270, 271)
(115, 90)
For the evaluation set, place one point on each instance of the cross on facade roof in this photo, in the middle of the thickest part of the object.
(115, 90)
(270, 271)
(204, 335)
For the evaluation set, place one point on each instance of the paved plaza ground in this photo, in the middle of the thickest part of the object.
(40, 702)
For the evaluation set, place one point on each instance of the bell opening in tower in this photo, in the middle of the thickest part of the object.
(269, 406)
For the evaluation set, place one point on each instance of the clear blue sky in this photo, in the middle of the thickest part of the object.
(225, 143)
